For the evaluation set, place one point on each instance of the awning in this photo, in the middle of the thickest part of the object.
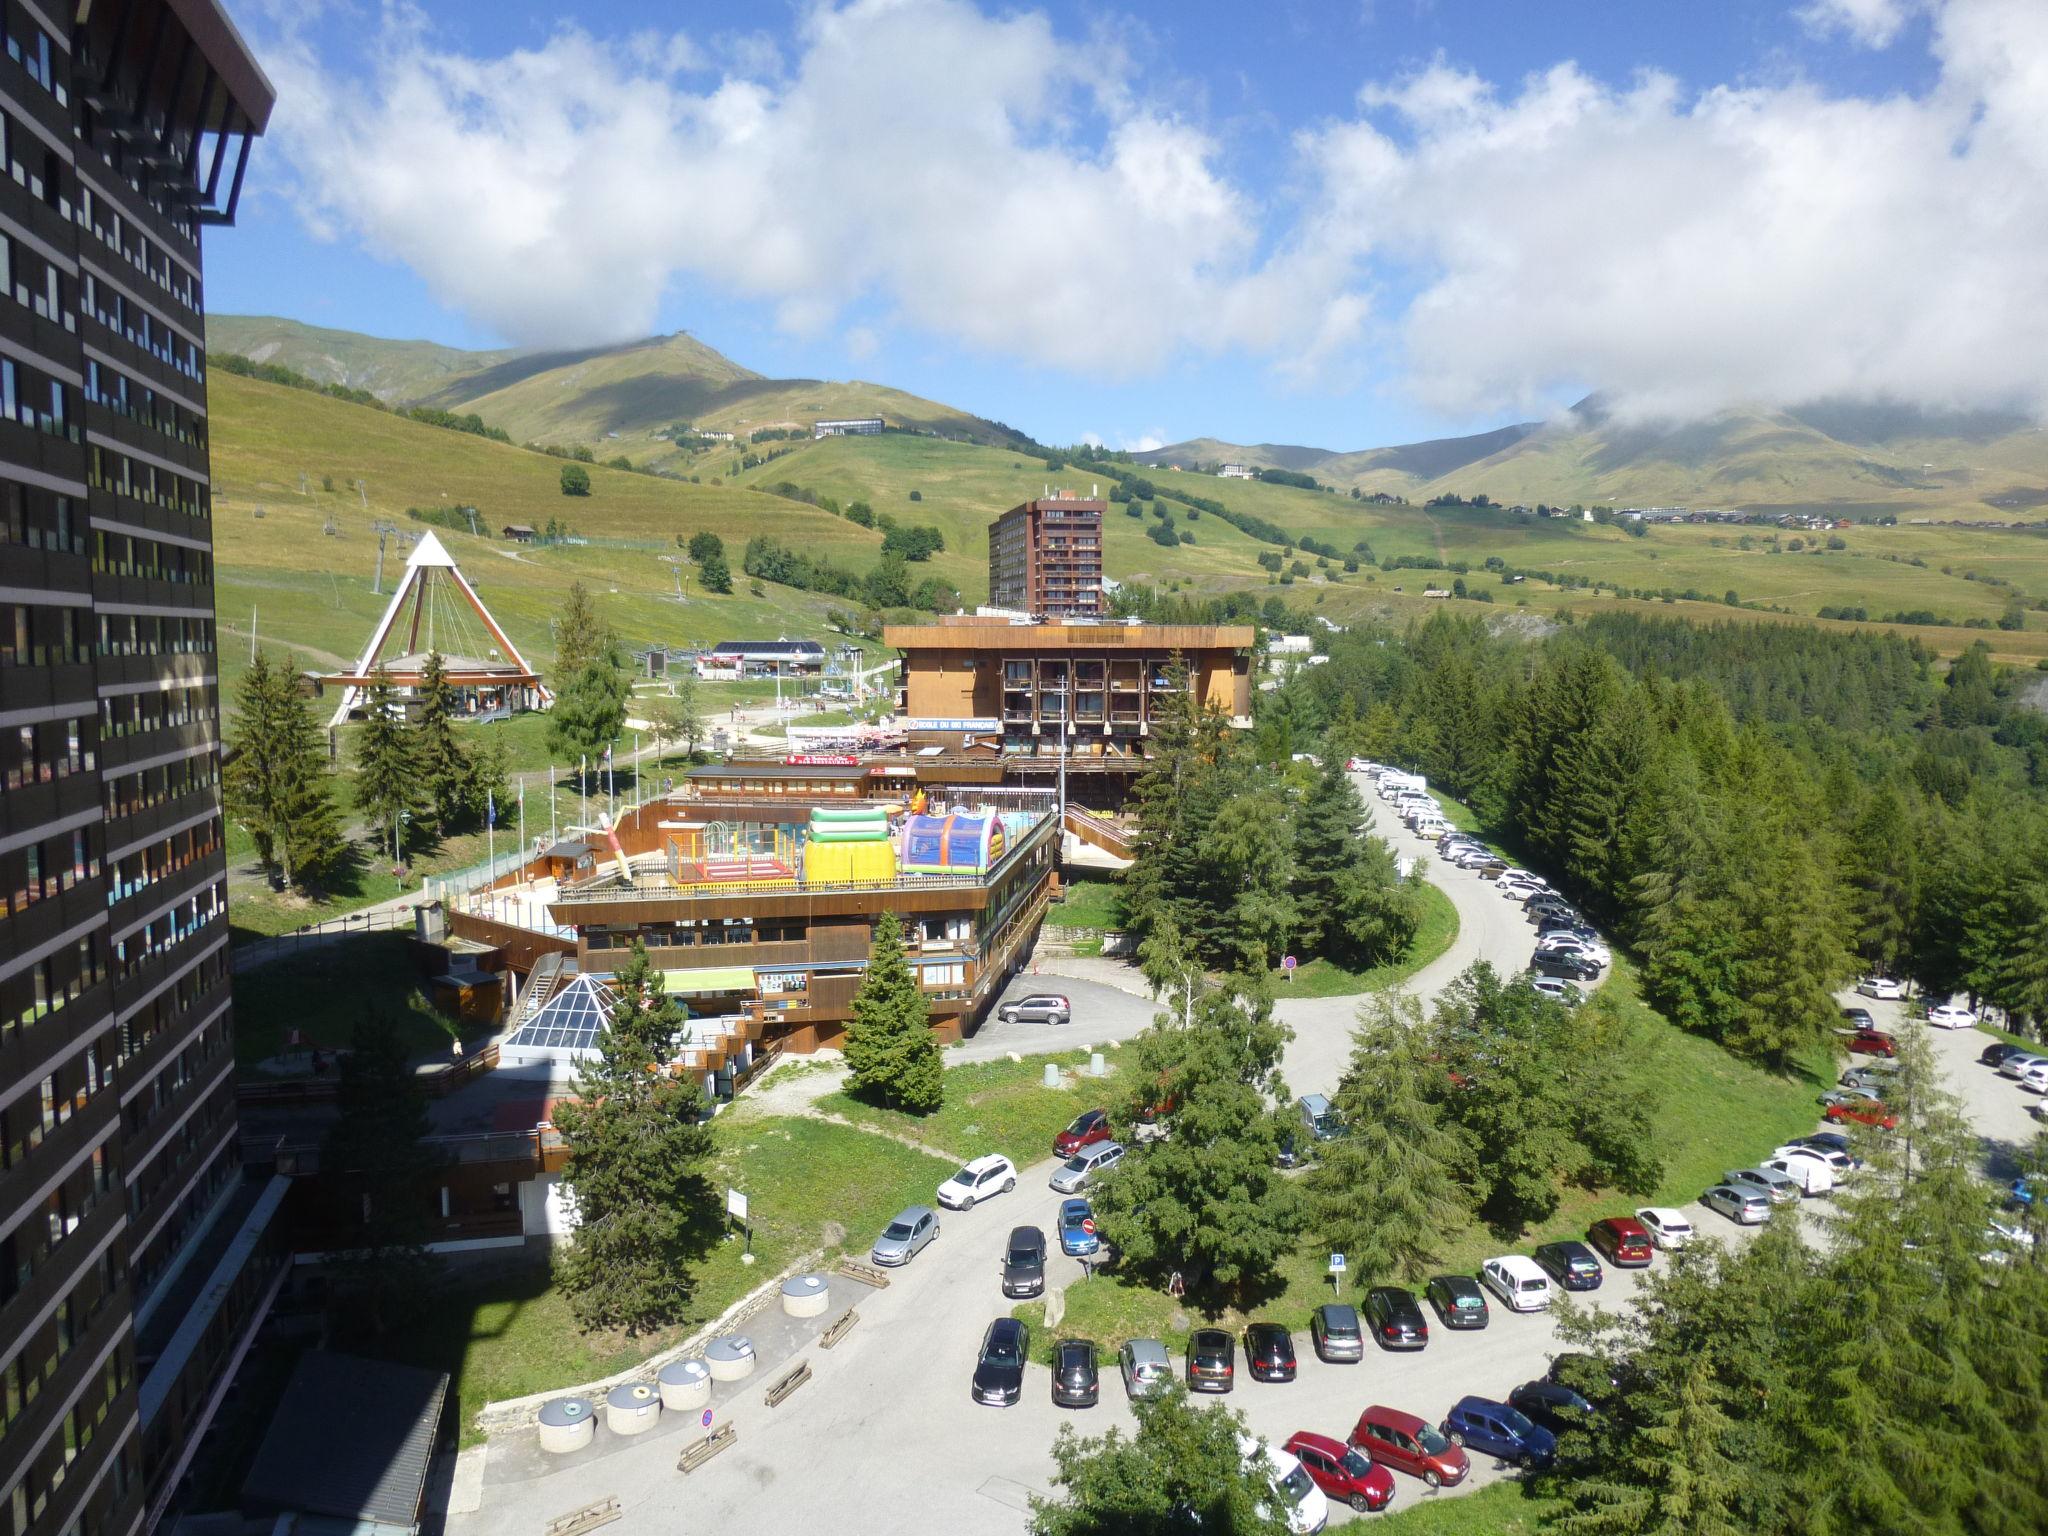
(710, 978)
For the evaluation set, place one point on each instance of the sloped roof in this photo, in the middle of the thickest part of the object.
(571, 1020)
(350, 1440)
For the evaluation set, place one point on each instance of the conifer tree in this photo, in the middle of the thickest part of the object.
(388, 785)
(1351, 906)
(443, 767)
(892, 1055)
(1386, 1192)
(277, 782)
(580, 635)
(1880, 865)
(639, 1151)
(590, 707)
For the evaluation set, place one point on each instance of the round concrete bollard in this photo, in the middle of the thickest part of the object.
(1096, 1066)
(633, 1408)
(730, 1358)
(684, 1384)
(1052, 1074)
(567, 1424)
(805, 1295)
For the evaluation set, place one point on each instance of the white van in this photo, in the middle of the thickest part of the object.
(1813, 1176)
(1515, 1279)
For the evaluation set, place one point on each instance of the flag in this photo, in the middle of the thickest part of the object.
(490, 809)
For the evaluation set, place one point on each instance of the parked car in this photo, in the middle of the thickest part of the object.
(1572, 944)
(1076, 1383)
(1571, 1264)
(1396, 1321)
(1557, 990)
(1668, 1228)
(1334, 1331)
(1873, 1042)
(1318, 1118)
(1269, 1352)
(1039, 1008)
(1024, 1263)
(1951, 1016)
(1302, 1507)
(1995, 1053)
(999, 1369)
(906, 1236)
(1553, 1405)
(1778, 1188)
(1835, 1097)
(1405, 1443)
(1077, 1229)
(1874, 1079)
(1293, 1151)
(2035, 1078)
(985, 1176)
(1086, 1131)
(1341, 1472)
(2020, 1194)
(1516, 1280)
(1744, 1207)
(1499, 1430)
(1565, 965)
(1459, 1301)
(1076, 1172)
(1861, 1112)
(2016, 1062)
(1145, 1368)
(1211, 1361)
(1858, 1018)
(1622, 1240)
(1883, 988)
(1839, 1164)
(1809, 1171)
(1831, 1142)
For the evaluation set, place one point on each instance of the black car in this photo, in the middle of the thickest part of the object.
(1544, 908)
(1586, 1375)
(1995, 1053)
(1212, 1361)
(1858, 1018)
(1572, 1265)
(1269, 1352)
(1075, 1381)
(1566, 967)
(1396, 1321)
(1333, 1329)
(1459, 1301)
(999, 1371)
(1558, 922)
(1024, 1263)
(1556, 1408)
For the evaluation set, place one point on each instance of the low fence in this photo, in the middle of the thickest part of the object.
(259, 952)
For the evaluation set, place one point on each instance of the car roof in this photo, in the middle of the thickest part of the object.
(1624, 1226)
(1472, 1400)
(1570, 1247)
(1309, 1439)
(1338, 1312)
(1392, 1293)
(1083, 1347)
(912, 1214)
(1077, 1206)
(985, 1162)
(1518, 1264)
(1393, 1418)
(1665, 1216)
(1267, 1329)
(1005, 1327)
(1100, 1149)
(1027, 1234)
(1455, 1282)
(1146, 1351)
(1044, 997)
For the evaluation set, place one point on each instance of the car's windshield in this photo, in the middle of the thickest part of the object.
(1467, 1302)
(901, 1229)
(1076, 1163)
(1535, 1283)
(1002, 1350)
(1432, 1443)
(1515, 1421)
(1023, 1256)
(1356, 1464)
(1295, 1484)
(964, 1176)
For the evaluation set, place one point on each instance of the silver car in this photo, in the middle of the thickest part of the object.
(1073, 1176)
(1744, 1207)
(905, 1237)
(1779, 1188)
(1146, 1367)
(1039, 1008)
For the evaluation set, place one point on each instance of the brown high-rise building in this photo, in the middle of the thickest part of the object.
(133, 1255)
(1045, 557)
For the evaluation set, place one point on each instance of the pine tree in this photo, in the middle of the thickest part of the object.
(639, 1151)
(1386, 1193)
(590, 707)
(388, 785)
(375, 1160)
(1881, 868)
(278, 784)
(1678, 1477)
(892, 1055)
(1350, 903)
(444, 771)
(580, 635)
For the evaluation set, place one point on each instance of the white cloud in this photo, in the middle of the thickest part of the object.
(980, 179)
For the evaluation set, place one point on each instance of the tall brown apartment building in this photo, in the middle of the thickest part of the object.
(1045, 557)
(133, 1263)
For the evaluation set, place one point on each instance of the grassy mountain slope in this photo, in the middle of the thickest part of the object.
(394, 371)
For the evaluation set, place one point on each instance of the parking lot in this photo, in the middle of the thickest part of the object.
(885, 1437)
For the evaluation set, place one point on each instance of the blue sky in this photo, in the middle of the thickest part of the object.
(1156, 221)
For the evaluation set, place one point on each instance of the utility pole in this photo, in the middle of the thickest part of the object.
(384, 531)
(363, 491)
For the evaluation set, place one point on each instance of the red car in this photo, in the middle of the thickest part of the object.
(1086, 1130)
(1624, 1241)
(1863, 1112)
(1405, 1443)
(1341, 1472)
(1873, 1042)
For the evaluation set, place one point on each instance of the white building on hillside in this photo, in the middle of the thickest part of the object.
(1235, 472)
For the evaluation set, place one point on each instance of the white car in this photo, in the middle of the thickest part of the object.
(1949, 1016)
(1520, 884)
(1572, 944)
(1840, 1164)
(1883, 988)
(2004, 1235)
(985, 1176)
(1667, 1228)
(1304, 1506)
(1811, 1174)
(1517, 1281)
(2035, 1078)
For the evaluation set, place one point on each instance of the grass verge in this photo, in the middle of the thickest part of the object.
(1088, 901)
(1498, 1509)
(1434, 933)
(993, 1106)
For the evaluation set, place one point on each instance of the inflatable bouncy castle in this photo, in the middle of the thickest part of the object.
(849, 845)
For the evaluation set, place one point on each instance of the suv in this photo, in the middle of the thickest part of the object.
(1076, 1171)
(1318, 1118)
(999, 1369)
(1571, 1265)
(1566, 965)
(1397, 1322)
(1333, 1329)
(1087, 1129)
(1516, 1280)
(1212, 1361)
(1024, 1263)
(1458, 1301)
(1039, 1008)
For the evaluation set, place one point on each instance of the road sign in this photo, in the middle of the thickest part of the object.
(1088, 1224)
(736, 1205)
(706, 1420)
(1337, 1264)
(1287, 963)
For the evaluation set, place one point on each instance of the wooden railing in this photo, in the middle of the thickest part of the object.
(1093, 830)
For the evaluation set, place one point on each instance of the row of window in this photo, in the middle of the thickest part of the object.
(127, 714)
(193, 1139)
(167, 931)
(34, 1366)
(173, 1005)
(88, 1417)
(140, 1112)
(62, 1094)
(40, 519)
(54, 749)
(130, 793)
(163, 860)
(52, 984)
(149, 1265)
(41, 870)
(33, 398)
(122, 554)
(141, 634)
(110, 470)
(36, 1238)
(146, 256)
(36, 283)
(117, 312)
(141, 404)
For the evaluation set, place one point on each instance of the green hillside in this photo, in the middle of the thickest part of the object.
(394, 371)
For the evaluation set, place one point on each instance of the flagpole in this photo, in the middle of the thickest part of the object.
(522, 821)
(491, 834)
(553, 836)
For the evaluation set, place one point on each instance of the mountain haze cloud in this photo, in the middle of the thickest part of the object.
(982, 180)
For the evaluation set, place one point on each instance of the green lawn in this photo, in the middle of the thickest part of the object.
(255, 911)
(994, 1106)
(1088, 901)
(325, 990)
(1499, 1509)
(1713, 1112)
(1325, 978)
